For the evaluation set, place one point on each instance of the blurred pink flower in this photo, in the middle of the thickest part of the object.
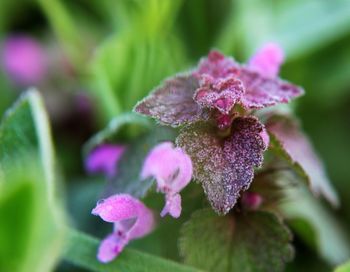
(172, 169)
(104, 159)
(131, 218)
(267, 60)
(251, 200)
(24, 60)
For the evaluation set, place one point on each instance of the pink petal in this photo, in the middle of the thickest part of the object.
(104, 159)
(111, 247)
(172, 169)
(172, 206)
(132, 219)
(267, 60)
(24, 60)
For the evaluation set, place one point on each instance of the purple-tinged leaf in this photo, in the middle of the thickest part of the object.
(172, 103)
(224, 166)
(293, 144)
(221, 94)
(216, 65)
(261, 92)
(251, 241)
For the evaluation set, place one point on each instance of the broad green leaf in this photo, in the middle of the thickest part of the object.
(31, 229)
(343, 268)
(252, 241)
(323, 231)
(81, 250)
(289, 142)
(25, 131)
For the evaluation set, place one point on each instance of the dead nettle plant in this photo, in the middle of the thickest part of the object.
(215, 125)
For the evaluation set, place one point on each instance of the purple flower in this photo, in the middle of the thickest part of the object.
(131, 218)
(172, 169)
(24, 60)
(267, 60)
(104, 159)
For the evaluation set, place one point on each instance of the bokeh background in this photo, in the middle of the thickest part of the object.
(93, 60)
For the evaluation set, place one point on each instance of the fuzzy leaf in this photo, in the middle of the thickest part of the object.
(263, 91)
(289, 141)
(224, 166)
(31, 228)
(172, 103)
(253, 241)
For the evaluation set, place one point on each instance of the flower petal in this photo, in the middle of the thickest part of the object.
(104, 159)
(24, 60)
(111, 247)
(172, 206)
(171, 167)
(117, 207)
(267, 60)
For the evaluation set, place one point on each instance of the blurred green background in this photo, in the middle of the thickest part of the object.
(103, 56)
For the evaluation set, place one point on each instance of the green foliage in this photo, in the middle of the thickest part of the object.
(255, 241)
(343, 268)
(318, 24)
(81, 250)
(322, 231)
(31, 230)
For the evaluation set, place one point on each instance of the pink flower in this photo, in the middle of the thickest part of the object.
(172, 169)
(131, 218)
(267, 60)
(24, 60)
(104, 158)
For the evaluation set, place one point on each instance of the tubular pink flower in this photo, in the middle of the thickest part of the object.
(131, 218)
(267, 60)
(172, 169)
(104, 159)
(24, 60)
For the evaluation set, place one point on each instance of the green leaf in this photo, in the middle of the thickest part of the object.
(24, 132)
(253, 241)
(343, 268)
(81, 250)
(327, 235)
(290, 143)
(31, 229)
